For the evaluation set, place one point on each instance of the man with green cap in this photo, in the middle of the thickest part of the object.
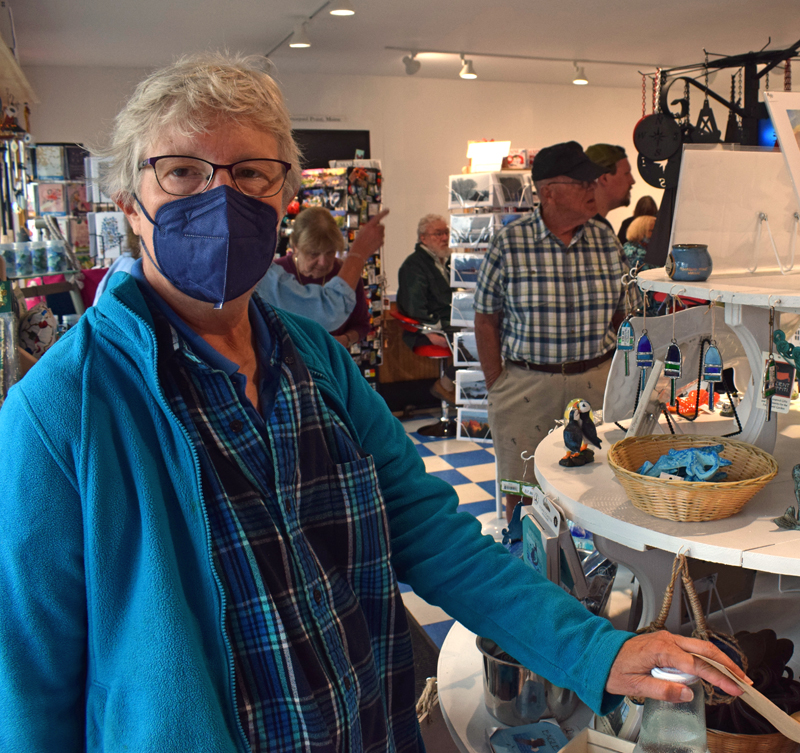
(613, 188)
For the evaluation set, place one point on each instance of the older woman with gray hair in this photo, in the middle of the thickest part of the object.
(206, 508)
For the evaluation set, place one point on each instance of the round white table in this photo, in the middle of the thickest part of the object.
(593, 498)
(460, 682)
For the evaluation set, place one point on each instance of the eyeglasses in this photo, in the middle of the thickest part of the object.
(584, 184)
(186, 176)
(440, 233)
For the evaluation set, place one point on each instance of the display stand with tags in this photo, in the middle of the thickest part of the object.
(481, 204)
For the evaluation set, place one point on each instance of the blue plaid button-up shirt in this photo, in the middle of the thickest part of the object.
(557, 301)
(313, 617)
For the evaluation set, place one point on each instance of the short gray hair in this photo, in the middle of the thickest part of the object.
(190, 97)
(427, 220)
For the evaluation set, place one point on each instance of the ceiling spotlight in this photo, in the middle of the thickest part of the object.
(467, 71)
(341, 8)
(300, 37)
(411, 63)
(580, 77)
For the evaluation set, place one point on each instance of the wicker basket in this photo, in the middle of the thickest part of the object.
(728, 742)
(691, 501)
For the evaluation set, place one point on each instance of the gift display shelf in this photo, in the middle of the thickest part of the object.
(747, 298)
(35, 275)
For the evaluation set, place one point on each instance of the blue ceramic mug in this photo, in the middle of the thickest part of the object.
(689, 262)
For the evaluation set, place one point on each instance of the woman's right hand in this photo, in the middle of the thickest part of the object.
(369, 238)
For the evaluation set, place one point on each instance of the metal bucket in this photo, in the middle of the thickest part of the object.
(514, 695)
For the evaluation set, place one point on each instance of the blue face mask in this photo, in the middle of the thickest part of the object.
(214, 246)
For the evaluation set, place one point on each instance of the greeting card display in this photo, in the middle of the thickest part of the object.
(51, 199)
(107, 234)
(513, 190)
(471, 190)
(74, 157)
(470, 387)
(77, 202)
(473, 424)
(50, 162)
(472, 230)
(465, 349)
(464, 270)
(463, 309)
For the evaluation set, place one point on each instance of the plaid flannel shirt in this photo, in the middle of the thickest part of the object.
(557, 301)
(320, 648)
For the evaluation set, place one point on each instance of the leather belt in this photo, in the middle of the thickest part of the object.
(570, 367)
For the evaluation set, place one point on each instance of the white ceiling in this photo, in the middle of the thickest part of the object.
(645, 33)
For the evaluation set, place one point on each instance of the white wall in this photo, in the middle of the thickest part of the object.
(419, 127)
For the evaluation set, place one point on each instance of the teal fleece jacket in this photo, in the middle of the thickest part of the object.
(111, 632)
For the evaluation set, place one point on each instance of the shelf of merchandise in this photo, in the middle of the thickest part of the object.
(352, 194)
(480, 204)
(747, 298)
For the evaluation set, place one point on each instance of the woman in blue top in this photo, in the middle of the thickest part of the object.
(316, 241)
(206, 508)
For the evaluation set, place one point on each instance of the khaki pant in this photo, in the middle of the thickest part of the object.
(523, 408)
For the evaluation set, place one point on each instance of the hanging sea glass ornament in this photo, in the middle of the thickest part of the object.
(712, 363)
(672, 369)
(644, 353)
(626, 336)
(672, 363)
(626, 339)
(768, 384)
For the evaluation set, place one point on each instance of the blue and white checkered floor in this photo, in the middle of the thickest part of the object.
(469, 467)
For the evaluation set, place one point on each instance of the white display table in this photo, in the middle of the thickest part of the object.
(460, 681)
(593, 498)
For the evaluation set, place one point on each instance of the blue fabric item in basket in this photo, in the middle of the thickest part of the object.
(695, 464)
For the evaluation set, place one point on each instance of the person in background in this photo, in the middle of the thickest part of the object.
(613, 189)
(645, 207)
(635, 249)
(424, 293)
(548, 302)
(315, 242)
(206, 508)
(635, 246)
(123, 263)
(329, 305)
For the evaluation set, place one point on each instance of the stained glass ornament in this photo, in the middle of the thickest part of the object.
(712, 371)
(626, 338)
(672, 369)
(644, 358)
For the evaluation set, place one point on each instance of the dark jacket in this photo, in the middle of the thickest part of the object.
(422, 293)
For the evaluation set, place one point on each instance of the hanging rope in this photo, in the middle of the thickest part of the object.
(680, 567)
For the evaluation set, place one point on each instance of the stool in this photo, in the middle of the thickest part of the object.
(446, 425)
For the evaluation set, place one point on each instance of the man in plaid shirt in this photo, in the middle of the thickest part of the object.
(546, 302)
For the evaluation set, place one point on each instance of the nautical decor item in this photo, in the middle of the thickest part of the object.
(625, 341)
(578, 433)
(769, 381)
(712, 363)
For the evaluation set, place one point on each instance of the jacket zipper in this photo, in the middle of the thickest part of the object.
(170, 413)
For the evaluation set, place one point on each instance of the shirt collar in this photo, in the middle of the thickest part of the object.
(197, 344)
(541, 230)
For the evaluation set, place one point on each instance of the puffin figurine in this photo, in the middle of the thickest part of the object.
(578, 433)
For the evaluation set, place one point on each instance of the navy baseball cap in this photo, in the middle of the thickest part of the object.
(567, 159)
